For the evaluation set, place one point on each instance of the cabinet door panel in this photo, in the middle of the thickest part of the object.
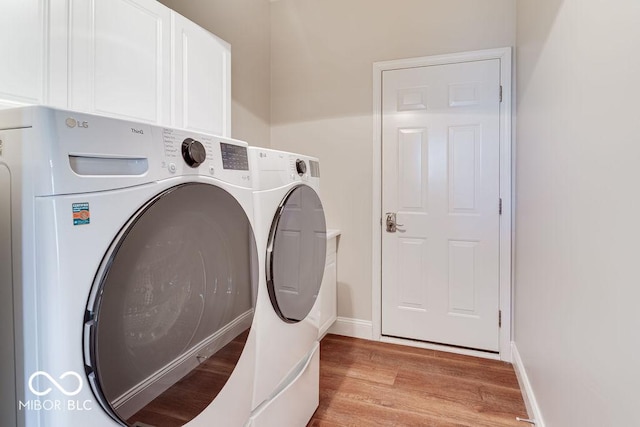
(56, 92)
(328, 291)
(202, 82)
(120, 58)
(22, 52)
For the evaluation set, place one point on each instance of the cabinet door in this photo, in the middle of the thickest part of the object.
(119, 58)
(202, 79)
(328, 302)
(56, 91)
(22, 41)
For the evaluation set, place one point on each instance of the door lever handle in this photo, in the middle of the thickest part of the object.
(392, 225)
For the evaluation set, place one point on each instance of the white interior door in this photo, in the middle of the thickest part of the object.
(440, 170)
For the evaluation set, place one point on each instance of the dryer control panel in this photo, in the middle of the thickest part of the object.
(273, 169)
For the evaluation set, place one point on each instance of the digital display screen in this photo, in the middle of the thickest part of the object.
(234, 157)
(315, 168)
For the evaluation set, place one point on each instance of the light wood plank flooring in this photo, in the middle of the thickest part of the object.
(366, 383)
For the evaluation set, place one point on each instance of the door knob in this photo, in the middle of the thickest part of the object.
(392, 225)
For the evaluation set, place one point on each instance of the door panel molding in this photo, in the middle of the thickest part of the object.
(506, 178)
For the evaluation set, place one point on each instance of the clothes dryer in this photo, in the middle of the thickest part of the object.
(129, 273)
(291, 240)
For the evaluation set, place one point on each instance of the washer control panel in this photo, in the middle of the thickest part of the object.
(187, 152)
(234, 157)
(180, 146)
(82, 153)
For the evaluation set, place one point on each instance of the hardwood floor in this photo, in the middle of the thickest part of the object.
(366, 383)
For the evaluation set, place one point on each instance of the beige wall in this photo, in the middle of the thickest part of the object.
(577, 281)
(321, 96)
(245, 24)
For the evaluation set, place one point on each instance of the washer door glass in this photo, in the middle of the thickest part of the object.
(296, 254)
(172, 306)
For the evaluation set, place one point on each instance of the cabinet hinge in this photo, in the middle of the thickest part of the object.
(500, 207)
(500, 93)
(499, 318)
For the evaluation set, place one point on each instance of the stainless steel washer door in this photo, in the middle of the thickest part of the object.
(173, 304)
(296, 254)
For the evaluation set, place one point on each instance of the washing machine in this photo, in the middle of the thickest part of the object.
(129, 273)
(291, 239)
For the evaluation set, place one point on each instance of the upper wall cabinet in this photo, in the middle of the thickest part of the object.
(120, 58)
(22, 41)
(202, 79)
(134, 59)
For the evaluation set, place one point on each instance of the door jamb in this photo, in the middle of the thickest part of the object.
(506, 179)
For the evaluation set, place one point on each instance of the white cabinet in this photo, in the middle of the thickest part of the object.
(120, 59)
(33, 48)
(22, 52)
(328, 291)
(134, 59)
(57, 70)
(202, 79)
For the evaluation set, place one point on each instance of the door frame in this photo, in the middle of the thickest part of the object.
(506, 194)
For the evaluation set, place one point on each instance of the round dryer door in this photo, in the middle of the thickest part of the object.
(296, 254)
(172, 306)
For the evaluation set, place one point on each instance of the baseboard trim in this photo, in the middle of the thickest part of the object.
(355, 328)
(533, 410)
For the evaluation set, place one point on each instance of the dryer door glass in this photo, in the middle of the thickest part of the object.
(296, 254)
(172, 306)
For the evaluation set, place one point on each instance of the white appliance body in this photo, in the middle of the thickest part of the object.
(286, 389)
(73, 186)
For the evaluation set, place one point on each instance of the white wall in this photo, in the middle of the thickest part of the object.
(245, 25)
(577, 281)
(321, 56)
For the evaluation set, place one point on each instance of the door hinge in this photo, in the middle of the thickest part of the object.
(499, 318)
(500, 207)
(500, 93)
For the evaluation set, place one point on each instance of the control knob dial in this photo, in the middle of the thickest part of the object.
(193, 152)
(301, 167)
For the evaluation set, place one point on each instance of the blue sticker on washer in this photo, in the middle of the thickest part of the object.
(81, 214)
